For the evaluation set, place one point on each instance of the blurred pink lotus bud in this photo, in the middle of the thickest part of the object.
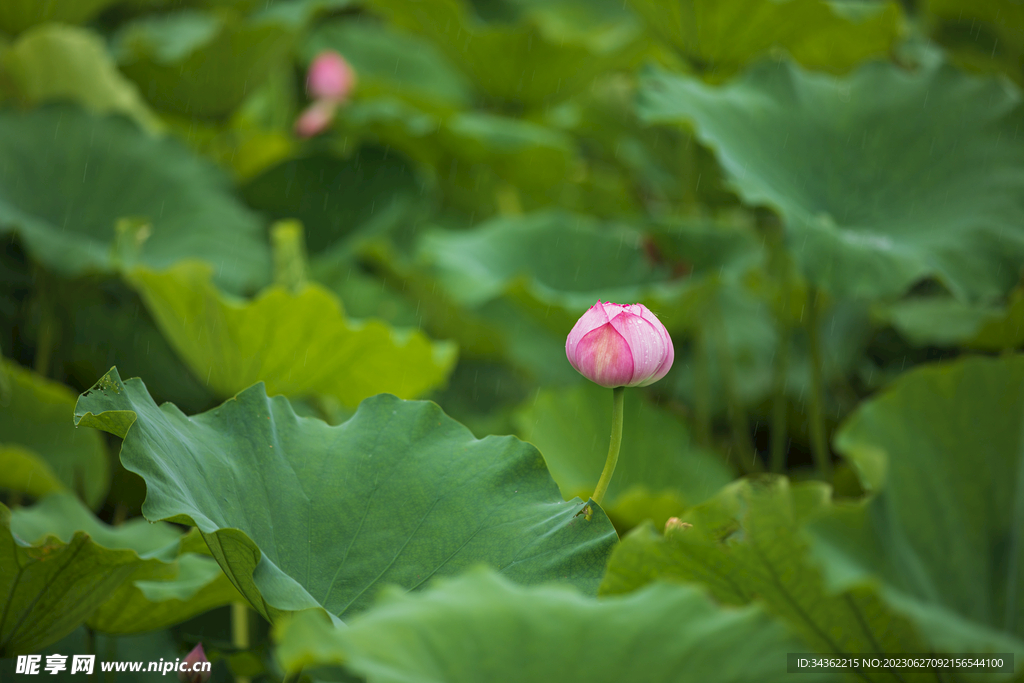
(315, 118)
(195, 668)
(330, 77)
(620, 345)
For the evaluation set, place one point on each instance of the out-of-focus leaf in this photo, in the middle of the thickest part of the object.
(390, 62)
(56, 62)
(105, 323)
(486, 153)
(299, 343)
(534, 61)
(168, 586)
(18, 15)
(302, 515)
(746, 545)
(721, 36)
(981, 35)
(943, 449)
(830, 154)
(70, 177)
(204, 63)
(483, 395)
(484, 163)
(559, 264)
(948, 322)
(570, 427)
(560, 258)
(37, 437)
(336, 199)
(25, 471)
(480, 627)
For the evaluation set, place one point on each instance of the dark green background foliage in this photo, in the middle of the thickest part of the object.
(325, 424)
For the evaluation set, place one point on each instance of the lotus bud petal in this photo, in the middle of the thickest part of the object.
(620, 345)
(330, 77)
(187, 672)
(315, 119)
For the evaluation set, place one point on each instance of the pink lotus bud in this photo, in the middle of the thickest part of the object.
(330, 77)
(195, 668)
(619, 345)
(315, 118)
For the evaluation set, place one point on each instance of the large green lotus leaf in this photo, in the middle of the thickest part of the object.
(481, 627)
(18, 15)
(62, 516)
(498, 330)
(559, 264)
(302, 515)
(336, 199)
(531, 277)
(299, 343)
(482, 161)
(948, 322)
(882, 178)
(53, 62)
(943, 449)
(722, 36)
(483, 153)
(390, 62)
(54, 576)
(567, 259)
(204, 63)
(170, 586)
(531, 61)
(76, 175)
(571, 428)
(37, 436)
(746, 545)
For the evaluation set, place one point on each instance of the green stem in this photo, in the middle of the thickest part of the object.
(613, 446)
(819, 444)
(289, 251)
(90, 641)
(240, 631)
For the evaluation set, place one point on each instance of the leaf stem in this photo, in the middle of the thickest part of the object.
(240, 630)
(613, 446)
(289, 251)
(819, 444)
